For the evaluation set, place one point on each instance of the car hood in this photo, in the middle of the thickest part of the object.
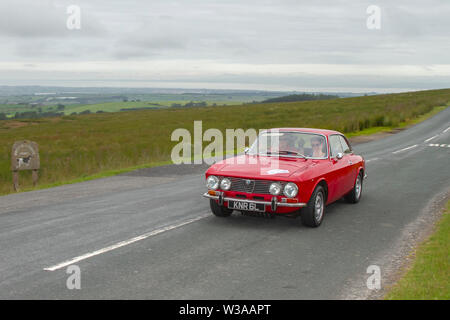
(261, 167)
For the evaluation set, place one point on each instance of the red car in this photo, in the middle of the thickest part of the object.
(289, 172)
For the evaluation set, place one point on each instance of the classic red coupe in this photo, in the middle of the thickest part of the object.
(290, 172)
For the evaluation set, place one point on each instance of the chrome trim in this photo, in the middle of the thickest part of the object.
(273, 204)
(220, 198)
(267, 203)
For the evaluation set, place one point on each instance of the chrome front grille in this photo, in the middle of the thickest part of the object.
(242, 185)
(252, 186)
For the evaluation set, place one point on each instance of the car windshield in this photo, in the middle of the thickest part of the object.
(290, 144)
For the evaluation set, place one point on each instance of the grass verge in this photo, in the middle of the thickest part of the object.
(428, 277)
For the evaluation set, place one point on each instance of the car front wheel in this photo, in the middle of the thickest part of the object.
(312, 215)
(218, 210)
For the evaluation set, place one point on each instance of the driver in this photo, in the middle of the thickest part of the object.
(288, 143)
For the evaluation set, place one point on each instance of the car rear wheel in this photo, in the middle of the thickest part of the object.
(354, 195)
(218, 210)
(312, 215)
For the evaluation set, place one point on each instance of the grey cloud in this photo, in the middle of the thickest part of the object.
(229, 31)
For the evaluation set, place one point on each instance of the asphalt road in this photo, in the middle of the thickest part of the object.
(149, 234)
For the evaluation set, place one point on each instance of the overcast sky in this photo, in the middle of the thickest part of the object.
(268, 45)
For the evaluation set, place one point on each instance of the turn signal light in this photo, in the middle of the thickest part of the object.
(289, 200)
(211, 192)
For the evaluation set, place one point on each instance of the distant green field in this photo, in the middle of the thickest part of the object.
(108, 106)
(74, 147)
(11, 109)
(118, 106)
(80, 102)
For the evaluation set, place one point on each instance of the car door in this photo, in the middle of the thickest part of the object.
(350, 171)
(338, 169)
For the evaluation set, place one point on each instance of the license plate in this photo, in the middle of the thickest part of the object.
(246, 206)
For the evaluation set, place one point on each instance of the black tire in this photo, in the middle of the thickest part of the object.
(309, 215)
(354, 195)
(218, 210)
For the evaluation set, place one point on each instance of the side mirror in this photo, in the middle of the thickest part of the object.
(246, 150)
(339, 156)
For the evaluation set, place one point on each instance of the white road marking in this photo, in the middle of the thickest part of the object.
(372, 159)
(121, 244)
(405, 149)
(439, 145)
(446, 130)
(431, 138)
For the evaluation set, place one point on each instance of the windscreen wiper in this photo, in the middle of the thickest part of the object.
(291, 152)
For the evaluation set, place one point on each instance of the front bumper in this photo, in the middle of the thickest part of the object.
(274, 204)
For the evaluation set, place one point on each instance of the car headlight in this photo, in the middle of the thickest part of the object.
(225, 184)
(290, 190)
(275, 189)
(212, 182)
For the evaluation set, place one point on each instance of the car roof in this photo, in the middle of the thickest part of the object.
(308, 130)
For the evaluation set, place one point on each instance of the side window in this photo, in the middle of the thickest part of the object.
(335, 145)
(345, 145)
